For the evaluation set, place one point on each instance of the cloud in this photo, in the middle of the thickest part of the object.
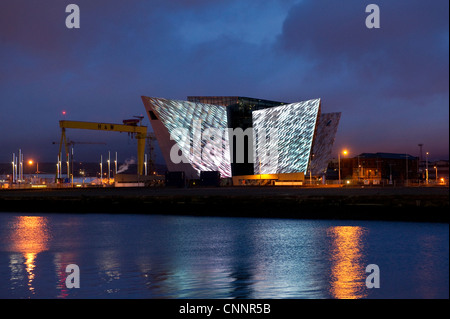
(390, 83)
(408, 54)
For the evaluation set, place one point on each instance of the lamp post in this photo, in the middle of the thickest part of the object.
(109, 167)
(359, 167)
(30, 162)
(101, 169)
(68, 169)
(115, 166)
(60, 167)
(344, 152)
(13, 170)
(20, 166)
(426, 167)
(435, 167)
(145, 164)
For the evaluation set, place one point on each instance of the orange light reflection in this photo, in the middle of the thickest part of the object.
(347, 271)
(30, 237)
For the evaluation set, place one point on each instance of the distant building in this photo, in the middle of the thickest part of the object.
(376, 168)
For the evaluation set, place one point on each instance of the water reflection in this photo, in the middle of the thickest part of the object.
(30, 237)
(134, 256)
(426, 270)
(347, 269)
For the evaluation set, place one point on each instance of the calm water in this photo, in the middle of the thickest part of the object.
(133, 256)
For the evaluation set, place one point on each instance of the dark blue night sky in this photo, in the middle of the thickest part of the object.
(391, 84)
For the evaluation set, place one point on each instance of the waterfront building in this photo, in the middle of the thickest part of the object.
(242, 136)
(380, 168)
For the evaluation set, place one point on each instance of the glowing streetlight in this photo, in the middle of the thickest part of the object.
(145, 164)
(58, 168)
(109, 167)
(68, 171)
(101, 169)
(31, 162)
(115, 165)
(13, 168)
(344, 152)
(20, 165)
(426, 169)
(436, 174)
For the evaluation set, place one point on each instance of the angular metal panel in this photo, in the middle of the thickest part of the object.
(283, 137)
(199, 131)
(323, 142)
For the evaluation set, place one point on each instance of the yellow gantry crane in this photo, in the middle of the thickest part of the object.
(129, 126)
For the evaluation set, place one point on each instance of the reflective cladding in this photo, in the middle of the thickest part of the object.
(283, 134)
(323, 142)
(200, 132)
(239, 111)
(283, 137)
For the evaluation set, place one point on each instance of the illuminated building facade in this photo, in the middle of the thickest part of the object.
(239, 116)
(242, 136)
(284, 136)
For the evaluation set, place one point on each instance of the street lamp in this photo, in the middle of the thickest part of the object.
(344, 152)
(109, 167)
(30, 162)
(101, 169)
(58, 168)
(68, 170)
(14, 166)
(436, 174)
(115, 165)
(426, 169)
(145, 164)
